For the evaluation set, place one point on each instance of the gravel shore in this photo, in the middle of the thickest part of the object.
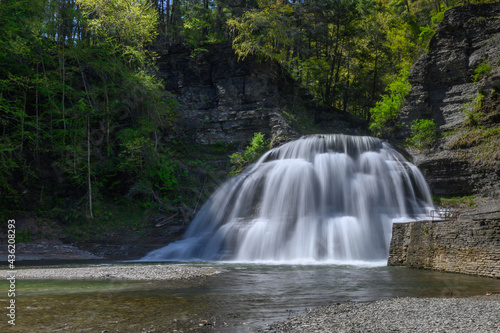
(112, 272)
(474, 314)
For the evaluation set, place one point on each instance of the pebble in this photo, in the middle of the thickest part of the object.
(474, 314)
(113, 272)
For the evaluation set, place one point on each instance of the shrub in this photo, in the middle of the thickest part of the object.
(385, 112)
(481, 71)
(257, 147)
(423, 133)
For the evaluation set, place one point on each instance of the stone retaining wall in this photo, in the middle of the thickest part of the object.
(462, 246)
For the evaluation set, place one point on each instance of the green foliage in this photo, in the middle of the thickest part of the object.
(484, 69)
(151, 170)
(301, 119)
(257, 147)
(423, 133)
(345, 53)
(198, 26)
(385, 112)
(263, 32)
(426, 33)
(477, 103)
(486, 143)
(313, 42)
(455, 202)
(478, 131)
(72, 78)
(221, 147)
(438, 16)
(130, 23)
(473, 111)
(24, 236)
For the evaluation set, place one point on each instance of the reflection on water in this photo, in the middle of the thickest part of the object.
(243, 298)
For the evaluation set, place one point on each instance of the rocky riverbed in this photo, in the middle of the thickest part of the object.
(113, 272)
(474, 314)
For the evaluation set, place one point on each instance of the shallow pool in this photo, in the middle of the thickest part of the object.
(243, 298)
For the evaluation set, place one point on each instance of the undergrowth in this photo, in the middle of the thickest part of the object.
(455, 202)
(252, 152)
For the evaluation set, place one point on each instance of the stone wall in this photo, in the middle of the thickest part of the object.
(462, 246)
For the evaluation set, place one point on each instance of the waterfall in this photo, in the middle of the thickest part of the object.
(317, 199)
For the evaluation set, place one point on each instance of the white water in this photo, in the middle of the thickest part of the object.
(322, 198)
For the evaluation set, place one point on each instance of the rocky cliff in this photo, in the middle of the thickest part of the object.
(462, 246)
(457, 84)
(222, 99)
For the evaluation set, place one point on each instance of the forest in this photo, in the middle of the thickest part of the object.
(87, 127)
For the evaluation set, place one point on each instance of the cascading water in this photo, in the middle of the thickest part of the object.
(320, 198)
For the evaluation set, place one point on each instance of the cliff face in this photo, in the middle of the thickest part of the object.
(457, 84)
(225, 100)
(463, 246)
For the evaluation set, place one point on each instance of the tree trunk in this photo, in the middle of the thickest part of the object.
(89, 178)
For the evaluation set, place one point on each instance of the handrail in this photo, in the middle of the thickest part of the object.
(444, 214)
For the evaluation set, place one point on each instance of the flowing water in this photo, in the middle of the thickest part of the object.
(243, 298)
(322, 198)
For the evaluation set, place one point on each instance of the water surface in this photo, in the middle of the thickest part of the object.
(243, 298)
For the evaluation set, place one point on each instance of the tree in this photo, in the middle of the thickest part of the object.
(130, 23)
(19, 23)
(385, 112)
(73, 74)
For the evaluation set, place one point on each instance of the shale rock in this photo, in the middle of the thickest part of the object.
(444, 89)
(223, 99)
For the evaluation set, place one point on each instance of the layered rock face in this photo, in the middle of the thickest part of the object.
(222, 99)
(464, 160)
(462, 246)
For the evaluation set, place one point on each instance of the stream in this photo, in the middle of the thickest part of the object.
(245, 297)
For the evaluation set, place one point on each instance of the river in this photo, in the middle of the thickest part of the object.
(245, 297)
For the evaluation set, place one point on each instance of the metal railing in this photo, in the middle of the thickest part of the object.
(444, 214)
